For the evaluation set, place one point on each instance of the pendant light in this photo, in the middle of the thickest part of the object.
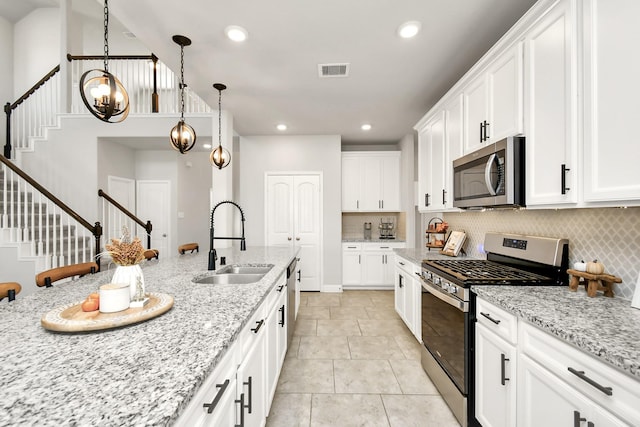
(220, 157)
(182, 136)
(110, 99)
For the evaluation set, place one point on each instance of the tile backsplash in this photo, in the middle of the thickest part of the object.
(611, 235)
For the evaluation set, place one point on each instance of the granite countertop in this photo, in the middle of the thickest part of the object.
(372, 240)
(416, 255)
(607, 328)
(142, 374)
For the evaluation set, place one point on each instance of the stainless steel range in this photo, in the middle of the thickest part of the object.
(448, 306)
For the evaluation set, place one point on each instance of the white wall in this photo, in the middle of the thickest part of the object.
(406, 145)
(194, 181)
(36, 47)
(260, 154)
(6, 69)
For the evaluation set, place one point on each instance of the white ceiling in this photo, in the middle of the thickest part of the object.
(272, 77)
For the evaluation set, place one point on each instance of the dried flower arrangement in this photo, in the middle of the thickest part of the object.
(125, 251)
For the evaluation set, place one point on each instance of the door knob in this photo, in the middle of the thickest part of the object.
(297, 238)
(288, 238)
(164, 235)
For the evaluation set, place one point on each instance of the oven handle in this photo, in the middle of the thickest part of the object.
(445, 297)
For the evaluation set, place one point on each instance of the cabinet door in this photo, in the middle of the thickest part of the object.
(399, 293)
(251, 381)
(424, 165)
(505, 95)
(390, 183)
(475, 113)
(453, 142)
(350, 183)
(373, 268)
(545, 400)
(351, 267)
(389, 268)
(371, 183)
(438, 163)
(611, 171)
(495, 379)
(551, 120)
(276, 345)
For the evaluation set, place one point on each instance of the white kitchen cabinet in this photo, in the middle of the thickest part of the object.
(215, 402)
(408, 295)
(454, 131)
(493, 101)
(496, 362)
(276, 347)
(368, 265)
(495, 381)
(432, 164)
(371, 181)
(551, 108)
(611, 174)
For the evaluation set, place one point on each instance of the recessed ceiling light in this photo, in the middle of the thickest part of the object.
(409, 29)
(236, 33)
(365, 126)
(281, 126)
(207, 146)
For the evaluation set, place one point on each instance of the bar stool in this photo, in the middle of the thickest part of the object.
(188, 247)
(151, 253)
(47, 277)
(9, 290)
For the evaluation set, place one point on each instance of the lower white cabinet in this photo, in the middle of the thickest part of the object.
(240, 389)
(408, 295)
(534, 379)
(368, 265)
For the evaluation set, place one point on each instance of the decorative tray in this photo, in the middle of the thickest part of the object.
(71, 318)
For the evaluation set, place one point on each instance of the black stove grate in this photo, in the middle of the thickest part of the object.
(484, 272)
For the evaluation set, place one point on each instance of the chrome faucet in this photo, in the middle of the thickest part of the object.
(213, 256)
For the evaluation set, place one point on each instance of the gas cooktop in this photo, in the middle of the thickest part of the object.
(475, 272)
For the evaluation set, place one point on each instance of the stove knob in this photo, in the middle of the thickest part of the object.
(437, 280)
(452, 289)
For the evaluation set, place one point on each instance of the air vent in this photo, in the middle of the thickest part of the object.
(129, 34)
(333, 70)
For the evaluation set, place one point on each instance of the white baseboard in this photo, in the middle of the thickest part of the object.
(331, 288)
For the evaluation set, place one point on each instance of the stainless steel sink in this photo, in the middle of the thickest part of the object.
(246, 269)
(236, 275)
(230, 279)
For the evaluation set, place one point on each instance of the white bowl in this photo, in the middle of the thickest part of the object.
(114, 297)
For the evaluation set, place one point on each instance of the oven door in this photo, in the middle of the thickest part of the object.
(446, 330)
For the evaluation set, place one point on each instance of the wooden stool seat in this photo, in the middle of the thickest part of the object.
(46, 278)
(9, 290)
(188, 247)
(594, 282)
(151, 253)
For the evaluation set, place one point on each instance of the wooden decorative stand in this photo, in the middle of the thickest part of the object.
(594, 282)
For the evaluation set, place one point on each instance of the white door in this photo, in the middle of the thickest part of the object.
(153, 204)
(294, 217)
(123, 191)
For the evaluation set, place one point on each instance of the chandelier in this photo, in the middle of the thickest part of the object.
(183, 137)
(220, 157)
(110, 99)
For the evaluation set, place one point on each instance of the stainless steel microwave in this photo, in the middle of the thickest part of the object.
(492, 176)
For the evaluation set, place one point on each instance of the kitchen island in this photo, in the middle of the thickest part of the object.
(142, 374)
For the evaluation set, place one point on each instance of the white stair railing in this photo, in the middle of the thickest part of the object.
(40, 225)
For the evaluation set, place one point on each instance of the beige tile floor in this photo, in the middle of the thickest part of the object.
(353, 362)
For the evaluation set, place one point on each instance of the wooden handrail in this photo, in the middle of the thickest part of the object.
(148, 227)
(96, 229)
(32, 90)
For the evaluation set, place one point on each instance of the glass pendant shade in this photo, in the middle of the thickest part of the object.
(220, 157)
(182, 137)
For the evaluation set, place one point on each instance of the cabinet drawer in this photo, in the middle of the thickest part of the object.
(597, 380)
(407, 266)
(254, 327)
(382, 246)
(215, 392)
(497, 320)
(352, 246)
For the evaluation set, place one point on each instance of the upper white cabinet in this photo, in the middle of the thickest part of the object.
(431, 155)
(493, 101)
(611, 66)
(371, 181)
(551, 110)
